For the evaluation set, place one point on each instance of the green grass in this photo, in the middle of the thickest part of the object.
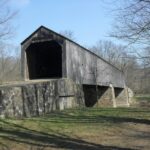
(71, 129)
(142, 97)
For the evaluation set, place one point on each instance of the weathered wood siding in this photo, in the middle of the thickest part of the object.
(87, 68)
(78, 63)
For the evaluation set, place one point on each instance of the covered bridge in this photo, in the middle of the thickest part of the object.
(59, 73)
(46, 55)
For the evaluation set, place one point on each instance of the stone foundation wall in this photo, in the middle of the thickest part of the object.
(35, 98)
(39, 97)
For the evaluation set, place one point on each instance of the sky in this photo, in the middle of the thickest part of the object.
(89, 20)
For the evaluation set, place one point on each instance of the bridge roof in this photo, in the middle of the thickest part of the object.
(63, 37)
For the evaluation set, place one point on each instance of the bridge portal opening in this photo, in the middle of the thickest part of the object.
(44, 60)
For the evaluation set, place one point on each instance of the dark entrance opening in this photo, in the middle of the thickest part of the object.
(91, 95)
(44, 60)
(118, 91)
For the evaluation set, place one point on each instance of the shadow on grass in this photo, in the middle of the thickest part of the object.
(19, 134)
(111, 111)
(147, 98)
(124, 120)
(4, 146)
(68, 118)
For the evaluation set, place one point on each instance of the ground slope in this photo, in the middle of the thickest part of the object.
(79, 129)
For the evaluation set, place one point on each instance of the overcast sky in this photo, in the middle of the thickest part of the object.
(90, 20)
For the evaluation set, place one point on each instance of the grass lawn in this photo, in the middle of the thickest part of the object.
(143, 97)
(143, 100)
(79, 129)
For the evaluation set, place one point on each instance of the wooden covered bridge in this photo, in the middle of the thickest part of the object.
(58, 73)
(47, 54)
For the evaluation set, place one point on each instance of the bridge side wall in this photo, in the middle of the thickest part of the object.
(84, 67)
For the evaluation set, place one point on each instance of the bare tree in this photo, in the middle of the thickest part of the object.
(147, 58)
(137, 73)
(69, 34)
(9, 55)
(9, 64)
(6, 17)
(114, 54)
(133, 22)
